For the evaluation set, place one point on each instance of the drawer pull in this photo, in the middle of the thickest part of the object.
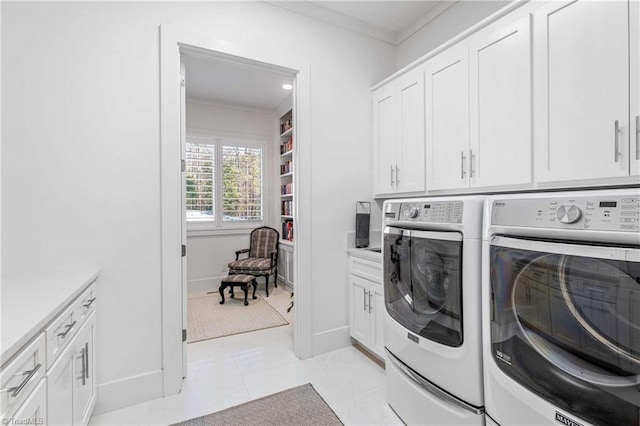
(86, 360)
(69, 327)
(89, 303)
(30, 373)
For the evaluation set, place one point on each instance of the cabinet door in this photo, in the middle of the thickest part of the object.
(447, 119)
(360, 325)
(376, 301)
(60, 389)
(634, 21)
(500, 106)
(384, 140)
(289, 274)
(410, 151)
(582, 90)
(85, 384)
(35, 406)
(282, 267)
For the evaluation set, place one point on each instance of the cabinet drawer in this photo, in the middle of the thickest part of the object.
(86, 304)
(21, 375)
(60, 332)
(366, 269)
(34, 409)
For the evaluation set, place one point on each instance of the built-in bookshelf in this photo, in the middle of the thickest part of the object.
(286, 177)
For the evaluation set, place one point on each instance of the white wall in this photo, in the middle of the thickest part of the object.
(459, 17)
(81, 156)
(209, 253)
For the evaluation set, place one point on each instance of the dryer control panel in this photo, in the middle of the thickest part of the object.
(425, 211)
(605, 213)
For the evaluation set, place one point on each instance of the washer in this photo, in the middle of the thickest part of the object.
(561, 303)
(431, 265)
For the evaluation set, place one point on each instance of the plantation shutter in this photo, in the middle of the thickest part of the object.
(241, 183)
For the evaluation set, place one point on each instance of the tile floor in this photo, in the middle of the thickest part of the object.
(231, 370)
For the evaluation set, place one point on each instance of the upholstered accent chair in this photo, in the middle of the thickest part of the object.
(262, 260)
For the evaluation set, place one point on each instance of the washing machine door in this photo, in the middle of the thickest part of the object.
(565, 323)
(422, 282)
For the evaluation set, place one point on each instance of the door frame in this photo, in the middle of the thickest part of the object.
(173, 38)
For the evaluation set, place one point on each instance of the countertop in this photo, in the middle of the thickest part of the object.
(363, 253)
(30, 303)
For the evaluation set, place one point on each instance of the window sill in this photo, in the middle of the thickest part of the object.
(208, 231)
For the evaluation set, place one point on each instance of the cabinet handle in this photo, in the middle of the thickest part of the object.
(637, 137)
(462, 161)
(364, 294)
(69, 327)
(369, 302)
(391, 174)
(86, 360)
(29, 373)
(472, 157)
(84, 379)
(90, 302)
(616, 127)
(397, 175)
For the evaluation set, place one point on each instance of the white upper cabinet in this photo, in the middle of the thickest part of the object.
(634, 20)
(582, 90)
(384, 140)
(398, 135)
(410, 151)
(447, 119)
(500, 106)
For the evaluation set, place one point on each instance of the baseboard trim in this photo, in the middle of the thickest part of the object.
(125, 392)
(330, 340)
(204, 284)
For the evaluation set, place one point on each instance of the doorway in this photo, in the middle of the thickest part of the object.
(237, 142)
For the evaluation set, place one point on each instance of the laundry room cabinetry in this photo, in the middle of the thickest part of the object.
(51, 377)
(366, 300)
(398, 135)
(584, 52)
(478, 110)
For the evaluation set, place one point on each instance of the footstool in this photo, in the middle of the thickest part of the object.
(238, 280)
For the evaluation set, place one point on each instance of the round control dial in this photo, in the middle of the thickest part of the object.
(568, 213)
(413, 212)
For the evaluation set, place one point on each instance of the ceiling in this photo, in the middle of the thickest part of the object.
(230, 83)
(392, 21)
(248, 85)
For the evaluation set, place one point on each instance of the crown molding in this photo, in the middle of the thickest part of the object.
(423, 20)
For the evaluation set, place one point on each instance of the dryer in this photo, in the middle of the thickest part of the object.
(561, 308)
(431, 266)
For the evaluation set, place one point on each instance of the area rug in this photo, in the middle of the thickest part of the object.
(208, 319)
(293, 407)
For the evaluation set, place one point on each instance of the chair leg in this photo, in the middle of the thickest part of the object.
(221, 290)
(245, 288)
(275, 277)
(267, 285)
(255, 286)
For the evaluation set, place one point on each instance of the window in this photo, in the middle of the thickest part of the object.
(224, 181)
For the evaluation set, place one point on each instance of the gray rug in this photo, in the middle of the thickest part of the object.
(208, 319)
(294, 407)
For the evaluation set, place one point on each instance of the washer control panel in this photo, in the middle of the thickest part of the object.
(425, 211)
(601, 213)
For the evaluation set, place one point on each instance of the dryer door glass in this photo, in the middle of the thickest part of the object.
(422, 283)
(565, 323)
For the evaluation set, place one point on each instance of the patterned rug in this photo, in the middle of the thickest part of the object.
(294, 407)
(208, 319)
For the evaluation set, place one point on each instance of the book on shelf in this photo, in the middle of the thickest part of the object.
(286, 167)
(287, 230)
(286, 189)
(286, 208)
(286, 146)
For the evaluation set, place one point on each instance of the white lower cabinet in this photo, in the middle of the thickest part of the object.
(52, 379)
(366, 313)
(285, 265)
(84, 380)
(71, 384)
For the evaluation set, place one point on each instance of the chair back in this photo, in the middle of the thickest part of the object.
(263, 242)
